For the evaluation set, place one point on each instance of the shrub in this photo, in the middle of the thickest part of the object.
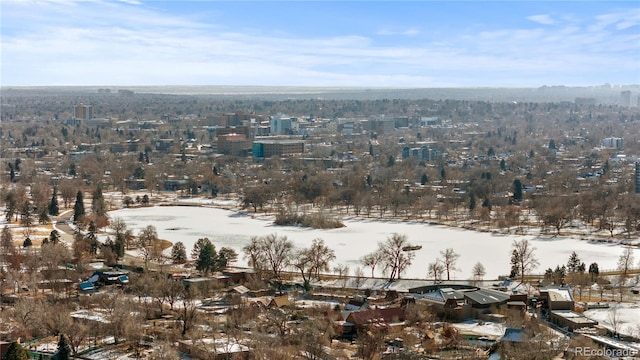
(315, 220)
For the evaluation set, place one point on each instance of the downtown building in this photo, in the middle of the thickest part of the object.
(83, 112)
(277, 147)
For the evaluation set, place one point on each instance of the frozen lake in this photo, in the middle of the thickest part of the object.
(361, 236)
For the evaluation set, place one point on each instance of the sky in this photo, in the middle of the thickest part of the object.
(319, 43)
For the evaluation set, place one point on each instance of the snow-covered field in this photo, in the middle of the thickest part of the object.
(623, 317)
(360, 236)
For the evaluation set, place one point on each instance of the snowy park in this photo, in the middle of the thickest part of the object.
(361, 236)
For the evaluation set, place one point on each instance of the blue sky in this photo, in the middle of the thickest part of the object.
(319, 43)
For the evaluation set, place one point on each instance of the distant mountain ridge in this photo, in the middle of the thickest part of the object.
(604, 94)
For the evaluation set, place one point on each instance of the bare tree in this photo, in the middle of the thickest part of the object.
(146, 242)
(523, 258)
(313, 260)
(449, 259)
(342, 271)
(435, 269)
(394, 257)
(478, 272)
(372, 260)
(370, 342)
(614, 319)
(358, 273)
(625, 262)
(271, 252)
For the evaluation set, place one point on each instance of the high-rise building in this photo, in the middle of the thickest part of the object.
(625, 98)
(612, 143)
(82, 111)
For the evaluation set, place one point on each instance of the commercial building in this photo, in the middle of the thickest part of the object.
(612, 143)
(625, 98)
(234, 144)
(82, 111)
(281, 124)
(424, 153)
(281, 147)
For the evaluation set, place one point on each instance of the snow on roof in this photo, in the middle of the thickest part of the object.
(90, 315)
(575, 317)
(489, 329)
(559, 294)
(241, 289)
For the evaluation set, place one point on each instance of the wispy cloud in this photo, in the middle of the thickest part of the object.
(133, 43)
(542, 19)
(413, 31)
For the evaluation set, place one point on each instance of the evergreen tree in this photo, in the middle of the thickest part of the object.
(594, 271)
(503, 165)
(517, 189)
(54, 210)
(559, 274)
(207, 258)
(197, 247)
(424, 179)
(515, 264)
(391, 160)
(26, 217)
(552, 144)
(54, 236)
(64, 350)
(574, 262)
(486, 203)
(27, 243)
(72, 169)
(16, 352)
(78, 209)
(92, 238)
(472, 202)
(230, 256)
(118, 246)
(179, 253)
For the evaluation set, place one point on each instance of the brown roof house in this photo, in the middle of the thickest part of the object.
(381, 319)
(280, 302)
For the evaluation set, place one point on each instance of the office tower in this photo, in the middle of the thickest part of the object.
(625, 99)
(82, 111)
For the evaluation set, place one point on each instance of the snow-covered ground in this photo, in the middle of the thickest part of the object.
(623, 316)
(491, 330)
(361, 236)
